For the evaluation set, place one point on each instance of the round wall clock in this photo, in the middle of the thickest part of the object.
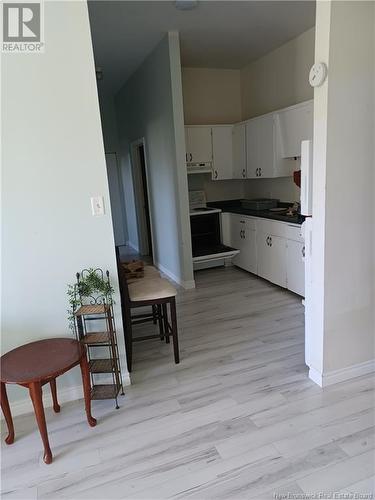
(318, 74)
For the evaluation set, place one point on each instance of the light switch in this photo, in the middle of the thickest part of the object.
(97, 205)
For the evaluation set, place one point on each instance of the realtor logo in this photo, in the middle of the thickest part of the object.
(22, 27)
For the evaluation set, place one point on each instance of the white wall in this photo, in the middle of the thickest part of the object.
(53, 161)
(149, 105)
(211, 96)
(343, 240)
(280, 78)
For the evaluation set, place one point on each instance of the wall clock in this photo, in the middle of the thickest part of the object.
(317, 74)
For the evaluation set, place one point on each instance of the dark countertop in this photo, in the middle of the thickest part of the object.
(234, 207)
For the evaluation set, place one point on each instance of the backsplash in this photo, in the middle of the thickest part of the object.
(217, 190)
(282, 188)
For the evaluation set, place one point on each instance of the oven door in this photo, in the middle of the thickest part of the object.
(206, 241)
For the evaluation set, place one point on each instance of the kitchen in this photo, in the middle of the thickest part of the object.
(262, 234)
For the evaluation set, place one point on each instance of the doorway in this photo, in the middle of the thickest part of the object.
(141, 195)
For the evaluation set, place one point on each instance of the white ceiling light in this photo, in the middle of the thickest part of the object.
(186, 4)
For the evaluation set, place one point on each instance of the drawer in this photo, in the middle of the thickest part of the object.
(244, 219)
(274, 227)
(293, 232)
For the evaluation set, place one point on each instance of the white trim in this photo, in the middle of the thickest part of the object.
(316, 376)
(343, 374)
(64, 395)
(185, 284)
(133, 246)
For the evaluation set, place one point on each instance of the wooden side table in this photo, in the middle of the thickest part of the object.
(38, 363)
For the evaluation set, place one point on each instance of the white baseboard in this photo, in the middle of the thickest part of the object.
(343, 374)
(133, 246)
(185, 284)
(65, 395)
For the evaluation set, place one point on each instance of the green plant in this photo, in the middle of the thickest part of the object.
(91, 285)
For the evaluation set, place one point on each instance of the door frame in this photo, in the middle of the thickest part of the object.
(139, 197)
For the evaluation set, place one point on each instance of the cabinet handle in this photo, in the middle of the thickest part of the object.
(243, 173)
(191, 157)
(260, 172)
(186, 157)
(270, 241)
(215, 174)
(303, 251)
(256, 172)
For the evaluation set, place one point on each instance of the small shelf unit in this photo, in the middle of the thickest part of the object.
(100, 341)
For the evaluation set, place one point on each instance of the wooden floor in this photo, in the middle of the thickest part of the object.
(237, 419)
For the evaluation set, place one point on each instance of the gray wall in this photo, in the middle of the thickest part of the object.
(343, 240)
(149, 106)
(53, 162)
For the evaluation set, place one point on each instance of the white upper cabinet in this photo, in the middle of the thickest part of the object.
(294, 125)
(239, 151)
(222, 152)
(260, 147)
(198, 144)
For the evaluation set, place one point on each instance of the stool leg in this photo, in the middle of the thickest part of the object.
(128, 339)
(56, 406)
(160, 321)
(174, 330)
(7, 414)
(166, 325)
(35, 390)
(154, 314)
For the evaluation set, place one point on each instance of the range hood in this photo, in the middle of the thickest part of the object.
(199, 168)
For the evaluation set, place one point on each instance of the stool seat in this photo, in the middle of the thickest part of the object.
(149, 272)
(151, 289)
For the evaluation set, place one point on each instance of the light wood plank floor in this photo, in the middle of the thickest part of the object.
(237, 419)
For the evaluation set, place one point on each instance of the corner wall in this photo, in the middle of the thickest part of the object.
(149, 106)
(52, 163)
(343, 240)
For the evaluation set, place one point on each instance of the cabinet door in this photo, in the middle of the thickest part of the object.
(199, 144)
(296, 267)
(252, 149)
(249, 251)
(260, 147)
(226, 231)
(239, 151)
(271, 256)
(294, 125)
(222, 152)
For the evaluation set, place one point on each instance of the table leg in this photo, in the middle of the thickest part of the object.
(87, 389)
(7, 414)
(56, 406)
(35, 389)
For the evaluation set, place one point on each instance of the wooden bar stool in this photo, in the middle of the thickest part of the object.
(151, 291)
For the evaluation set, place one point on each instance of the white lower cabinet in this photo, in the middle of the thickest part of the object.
(272, 258)
(243, 238)
(273, 250)
(296, 267)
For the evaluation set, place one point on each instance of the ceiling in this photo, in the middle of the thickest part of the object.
(216, 34)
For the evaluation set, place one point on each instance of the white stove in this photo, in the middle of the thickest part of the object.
(208, 250)
(198, 204)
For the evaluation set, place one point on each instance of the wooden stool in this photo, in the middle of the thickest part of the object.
(151, 291)
(36, 364)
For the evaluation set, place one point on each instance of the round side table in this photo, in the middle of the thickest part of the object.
(35, 364)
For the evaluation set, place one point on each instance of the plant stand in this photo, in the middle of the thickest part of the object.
(95, 328)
